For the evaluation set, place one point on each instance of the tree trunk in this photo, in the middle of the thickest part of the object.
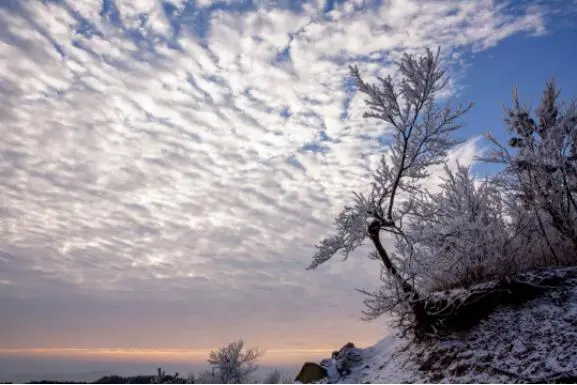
(417, 306)
(374, 231)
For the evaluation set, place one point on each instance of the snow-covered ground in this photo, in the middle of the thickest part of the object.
(532, 342)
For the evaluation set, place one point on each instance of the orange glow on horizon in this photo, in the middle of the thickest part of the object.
(175, 355)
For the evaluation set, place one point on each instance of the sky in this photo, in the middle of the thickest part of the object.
(167, 167)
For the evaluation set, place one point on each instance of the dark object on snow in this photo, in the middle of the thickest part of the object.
(311, 372)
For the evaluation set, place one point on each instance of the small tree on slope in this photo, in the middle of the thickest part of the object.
(420, 137)
(232, 364)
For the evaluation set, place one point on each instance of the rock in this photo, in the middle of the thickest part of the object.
(311, 372)
(348, 357)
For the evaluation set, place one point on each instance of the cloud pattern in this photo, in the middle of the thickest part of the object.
(190, 154)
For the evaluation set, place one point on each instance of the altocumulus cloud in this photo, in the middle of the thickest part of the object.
(167, 166)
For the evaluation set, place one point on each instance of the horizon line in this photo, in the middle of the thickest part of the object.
(147, 353)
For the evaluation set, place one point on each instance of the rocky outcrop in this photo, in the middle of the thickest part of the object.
(311, 372)
(348, 357)
(335, 368)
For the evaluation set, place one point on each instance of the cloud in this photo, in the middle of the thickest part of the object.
(166, 155)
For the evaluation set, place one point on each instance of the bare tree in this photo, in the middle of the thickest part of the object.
(233, 364)
(420, 136)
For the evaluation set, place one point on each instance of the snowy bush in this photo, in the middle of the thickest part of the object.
(232, 364)
(458, 236)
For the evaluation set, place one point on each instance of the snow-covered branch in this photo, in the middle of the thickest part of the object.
(421, 135)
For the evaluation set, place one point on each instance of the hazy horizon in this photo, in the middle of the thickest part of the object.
(17, 365)
(24, 369)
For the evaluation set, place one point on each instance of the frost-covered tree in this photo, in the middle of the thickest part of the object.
(455, 237)
(541, 166)
(420, 137)
(459, 235)
(233, 364)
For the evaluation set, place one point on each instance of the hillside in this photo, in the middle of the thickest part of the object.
(535, 341)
